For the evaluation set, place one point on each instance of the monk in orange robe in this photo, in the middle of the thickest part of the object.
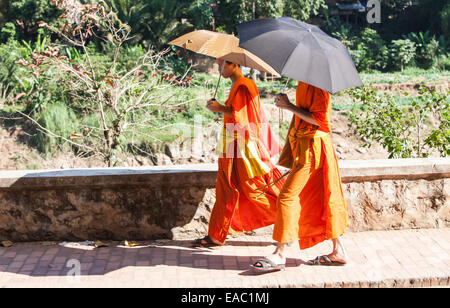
(245, 150)
(311, 205)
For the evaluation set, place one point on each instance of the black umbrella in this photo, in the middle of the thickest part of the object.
(300, 51)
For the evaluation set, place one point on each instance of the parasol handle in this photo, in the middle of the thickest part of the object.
(218, 82)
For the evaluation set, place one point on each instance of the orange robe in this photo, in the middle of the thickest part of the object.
(311, 206)
(245, 166)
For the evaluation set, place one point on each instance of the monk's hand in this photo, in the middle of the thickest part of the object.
(214, 105)
(282, 101)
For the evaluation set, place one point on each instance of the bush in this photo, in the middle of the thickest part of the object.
(371, 50)
(427, 48)
(443, 63)
(11, 74)
(8, 31)
(403, 129)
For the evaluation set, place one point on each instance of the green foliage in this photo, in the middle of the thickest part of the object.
(439, 138)
(162, 22)
(302, 9)
(200, 14)
(58, 119)
(342, 31)
(174, 63)
(118, 91)
(131, 13)
(233, 12)
(38, 88)
(427, 48)
(443, 63)
(444, 46)
(11, 74)
(373, 53)
(27, 13)
(65, 107)
(8, 31)
(411, 75)
(401, 52)
(401, 129)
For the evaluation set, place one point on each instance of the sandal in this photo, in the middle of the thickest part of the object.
(325, 260)
(205, 242)
(265, 264)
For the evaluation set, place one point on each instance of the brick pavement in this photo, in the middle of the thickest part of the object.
(403, 258)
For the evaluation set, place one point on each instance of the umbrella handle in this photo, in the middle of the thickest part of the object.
(218, 82)
(279, 110)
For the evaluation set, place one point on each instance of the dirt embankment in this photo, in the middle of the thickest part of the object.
(17, 152)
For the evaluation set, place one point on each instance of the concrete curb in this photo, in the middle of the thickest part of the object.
(204, 175)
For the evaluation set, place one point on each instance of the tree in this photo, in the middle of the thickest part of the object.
(155, 22)
(165, 20)
(112, 96)
(27, 13)
(373, 54)
(130, 13)
(401, 52)
(302, 9)
(200, 14)
(233, 12)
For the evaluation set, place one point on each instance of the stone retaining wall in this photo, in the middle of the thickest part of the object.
(176, 201)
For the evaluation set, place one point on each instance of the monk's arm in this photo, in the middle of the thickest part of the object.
(303, 114)
(284, 103)
(215, 106)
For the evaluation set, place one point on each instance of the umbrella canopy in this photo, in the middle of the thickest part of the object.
(223, 46)
(300, 51)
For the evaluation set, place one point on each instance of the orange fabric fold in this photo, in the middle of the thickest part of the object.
(237, 208)
(239, 205)
(311, 206)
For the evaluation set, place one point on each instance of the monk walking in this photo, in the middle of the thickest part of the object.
(311, 205)
(244, 163)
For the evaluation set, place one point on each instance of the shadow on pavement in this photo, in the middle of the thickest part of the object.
(37, 260)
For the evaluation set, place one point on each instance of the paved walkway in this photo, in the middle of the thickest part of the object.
(404, 258)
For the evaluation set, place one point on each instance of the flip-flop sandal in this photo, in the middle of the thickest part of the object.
(205, 242)
(325, 260)
(266, 264)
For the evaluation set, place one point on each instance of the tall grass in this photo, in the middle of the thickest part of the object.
(61, 121)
